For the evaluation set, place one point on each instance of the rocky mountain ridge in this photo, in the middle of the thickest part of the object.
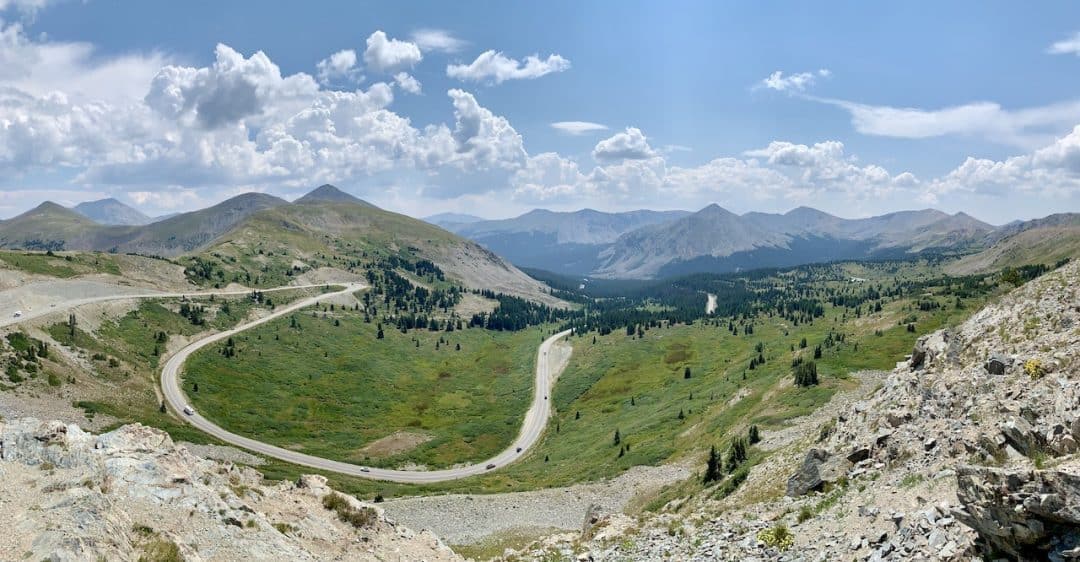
(647, 244)
(133, 494)
(717, 240)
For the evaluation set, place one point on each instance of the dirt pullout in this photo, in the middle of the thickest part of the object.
(710, 303)
(470, 519)
(394, 444)
(560, 356)
(328, 275)
(37, 296)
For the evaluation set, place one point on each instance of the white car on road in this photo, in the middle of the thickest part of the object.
(18, 314)
(189, 410)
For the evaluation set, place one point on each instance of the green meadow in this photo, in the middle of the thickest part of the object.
(325, 384)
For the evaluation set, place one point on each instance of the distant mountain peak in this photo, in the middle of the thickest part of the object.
(112, 212)
(714, 209)
(328, 193)
(50, 207)
(804, 211)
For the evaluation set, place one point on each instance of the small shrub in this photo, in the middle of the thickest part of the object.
(912, 479)
(161, 550)
(777, 537)
(1033, 368)
(805, 514)
(358, 518)
(284, 528)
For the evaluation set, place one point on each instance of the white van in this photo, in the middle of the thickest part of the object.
(18, 314)
(189, 410)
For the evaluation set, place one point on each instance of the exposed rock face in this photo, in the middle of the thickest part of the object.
(69, 495)
(933, 349)
(1025, 514)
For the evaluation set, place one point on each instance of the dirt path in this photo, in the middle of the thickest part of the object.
(470, 519)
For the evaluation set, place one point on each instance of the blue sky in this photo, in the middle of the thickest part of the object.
(432, 107)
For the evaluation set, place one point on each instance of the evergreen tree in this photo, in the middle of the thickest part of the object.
(806, 374)
(712, 466)
(618, 438)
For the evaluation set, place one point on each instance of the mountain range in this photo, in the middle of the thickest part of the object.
(239, 229)
(649, 244)
(563, 242)
(639, 244)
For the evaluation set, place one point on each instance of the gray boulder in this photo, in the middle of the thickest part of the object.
(819, 467)
(1025, 514)
(932, 348)
(1021, 435)
(997, 364)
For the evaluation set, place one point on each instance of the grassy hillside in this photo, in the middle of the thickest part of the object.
(61, 266)
(324, 384)
(274, 246)
(1045, 245)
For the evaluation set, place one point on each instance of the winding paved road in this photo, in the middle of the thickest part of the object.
(7, 309)
(532, 428)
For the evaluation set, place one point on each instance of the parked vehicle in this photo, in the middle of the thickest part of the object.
(18, 313)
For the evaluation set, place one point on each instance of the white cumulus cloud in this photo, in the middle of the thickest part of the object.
(630, 144)
(385, 54)
(407, 83)
(495, 67)
(338, 66)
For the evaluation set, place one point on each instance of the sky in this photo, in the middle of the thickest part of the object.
(493, 109)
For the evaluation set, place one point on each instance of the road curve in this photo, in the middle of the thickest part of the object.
(8, 320)
(533, 427)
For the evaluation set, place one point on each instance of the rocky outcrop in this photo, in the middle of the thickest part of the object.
(1024, 514)
(818, 469)
(66, 494)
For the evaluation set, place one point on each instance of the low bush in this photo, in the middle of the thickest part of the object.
(777, 537)
(357, 517)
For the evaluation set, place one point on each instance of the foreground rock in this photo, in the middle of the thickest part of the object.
(1029, 514)
(131, 493)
